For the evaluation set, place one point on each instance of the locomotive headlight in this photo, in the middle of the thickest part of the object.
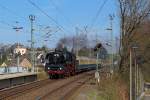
(60, 68)
(48, 68)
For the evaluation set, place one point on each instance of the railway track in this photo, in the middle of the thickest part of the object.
(9, 93)
(66, 90)
(46, 89)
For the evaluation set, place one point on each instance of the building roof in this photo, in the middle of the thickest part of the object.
(3, 64)
(25, 63)
(13, 62)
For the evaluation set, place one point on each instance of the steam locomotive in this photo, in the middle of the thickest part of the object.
(60, 63)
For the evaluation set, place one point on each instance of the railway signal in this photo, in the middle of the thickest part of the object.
(97, 49)
(98, 46)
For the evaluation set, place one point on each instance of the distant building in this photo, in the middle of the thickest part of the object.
(20, 50)
(3, 64)
(25, 63)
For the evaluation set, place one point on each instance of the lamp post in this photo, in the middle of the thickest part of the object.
(131, 86)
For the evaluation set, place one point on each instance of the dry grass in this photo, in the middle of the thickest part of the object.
(109, 90)
(113, 89)
(147, 92)
(42, 74)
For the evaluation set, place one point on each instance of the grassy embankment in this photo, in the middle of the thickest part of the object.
(110, 89)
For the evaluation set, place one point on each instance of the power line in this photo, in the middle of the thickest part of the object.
(10, 11)
(98, 13)
(11, 26)
(13, 13)
(60, 11)
(43, 12)
(5, 23)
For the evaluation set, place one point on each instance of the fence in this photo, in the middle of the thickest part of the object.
(12, 69)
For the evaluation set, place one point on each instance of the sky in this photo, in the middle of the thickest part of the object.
(60, 17)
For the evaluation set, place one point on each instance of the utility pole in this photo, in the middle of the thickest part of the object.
(111, 32)
(32, 19)
(77, 42)
(137, 72)
(135, 79)
(112, 55)
(130, 73)
(97, 55)
(88, 45)
(133, 47)
(17, 29)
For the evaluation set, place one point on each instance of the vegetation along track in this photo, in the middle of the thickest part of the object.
(9, 93)
(53, 89)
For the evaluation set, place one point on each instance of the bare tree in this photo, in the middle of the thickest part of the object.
(132, 14)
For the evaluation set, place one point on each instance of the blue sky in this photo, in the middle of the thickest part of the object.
(69, 14)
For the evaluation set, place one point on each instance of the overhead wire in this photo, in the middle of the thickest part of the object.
(11, 11)
(5, 23)
(12, 26)
(43, 12)
(60, 11)
(14, 14)
(97, 14)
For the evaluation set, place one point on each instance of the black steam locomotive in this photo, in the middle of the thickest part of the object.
(60, 63)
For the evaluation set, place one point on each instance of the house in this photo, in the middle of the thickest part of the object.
(20, 50)
(3, 64)
(25, 63)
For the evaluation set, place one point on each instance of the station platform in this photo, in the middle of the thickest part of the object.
(9, 80)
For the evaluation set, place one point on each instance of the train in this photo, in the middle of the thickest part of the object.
(62, 63)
